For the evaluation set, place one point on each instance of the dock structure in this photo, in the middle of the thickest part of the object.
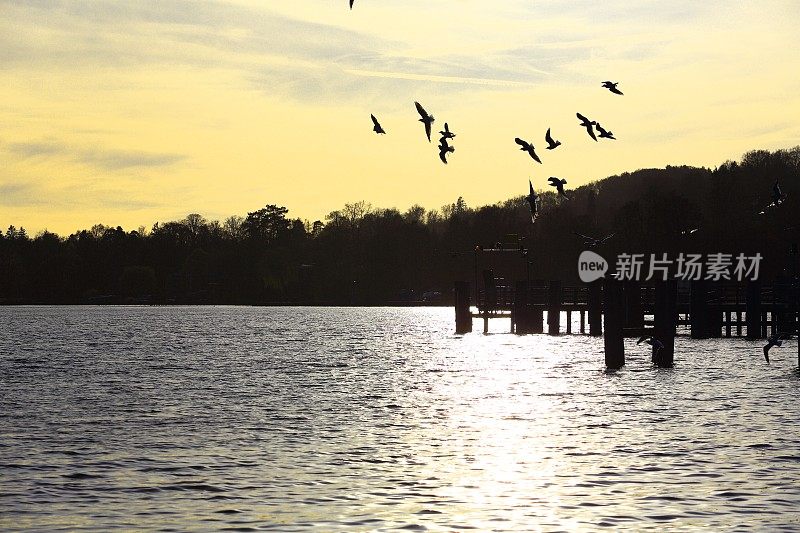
(617, 309)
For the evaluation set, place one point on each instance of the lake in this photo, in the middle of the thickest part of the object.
(381, 419)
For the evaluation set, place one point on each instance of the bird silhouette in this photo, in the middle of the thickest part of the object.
(592, 242)
(775, 340)
(527, 147)
(444, 149)
(425, 119)
(551, 144)
(778, 197)
(611, 86)
(559, 185)
(376, 125)
(652, 341)
(586, 123)
(446, 133)
(351, 4)
(604, 133)
(532, 200)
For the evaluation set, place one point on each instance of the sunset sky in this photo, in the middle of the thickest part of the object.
(130, 112)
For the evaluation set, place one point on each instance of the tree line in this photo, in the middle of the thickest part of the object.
(362, 255)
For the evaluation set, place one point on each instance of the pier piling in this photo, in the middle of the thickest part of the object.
(463, 315)
(665, 322)
(490, 297)
(634, 311)
(753, 310)
(554, 307)
(698, 310)
(522, 309)
(595, 308)
(614, 307)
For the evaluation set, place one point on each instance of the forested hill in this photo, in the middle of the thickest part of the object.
(366, 255)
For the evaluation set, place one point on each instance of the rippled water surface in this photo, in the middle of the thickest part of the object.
(297, 419)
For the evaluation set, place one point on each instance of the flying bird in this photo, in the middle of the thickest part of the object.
(652, 341)
(527, 147)
(559, 185)
(551, 144)
(586, 123)
(376, 125)
(686, 232)
(592, 242)
(425, 119)
(604, 133)
(778, 197)
(775, 340)
(444, 149)
(447, 134)
(610, 85)
(532, 200)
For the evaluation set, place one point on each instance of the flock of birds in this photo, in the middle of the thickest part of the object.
(595, 130)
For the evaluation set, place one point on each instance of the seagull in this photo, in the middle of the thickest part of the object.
(426, 119)
(527, 147)
(604, 133)
(586, 123)
(377, 126)
(610, 85)
(778, 197)
(551, 144)
(591, 242)
(687, 232)
(444, 149)
(652, 341)
(775, 340)
(447, 134)
(559, 185)
(532, 201)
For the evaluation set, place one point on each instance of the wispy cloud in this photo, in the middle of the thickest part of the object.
(283, 56)
(110, 160)
(18, 194)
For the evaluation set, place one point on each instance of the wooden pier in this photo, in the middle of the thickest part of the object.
(617, 309)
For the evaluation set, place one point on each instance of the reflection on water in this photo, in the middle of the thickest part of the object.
(296, 419)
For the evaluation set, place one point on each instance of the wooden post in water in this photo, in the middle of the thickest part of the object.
(698, 309)
(614, 314)
(569, 322)
(537, 306)
(783, 315)
(634, 312)
(490, 297)
(753, 310)
(715, 321)
(583, 322)
(665, 321)
(595, 310)
(521, 313)
(554, 307)
(463, 315)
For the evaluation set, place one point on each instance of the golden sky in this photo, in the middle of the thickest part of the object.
(128, 112)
